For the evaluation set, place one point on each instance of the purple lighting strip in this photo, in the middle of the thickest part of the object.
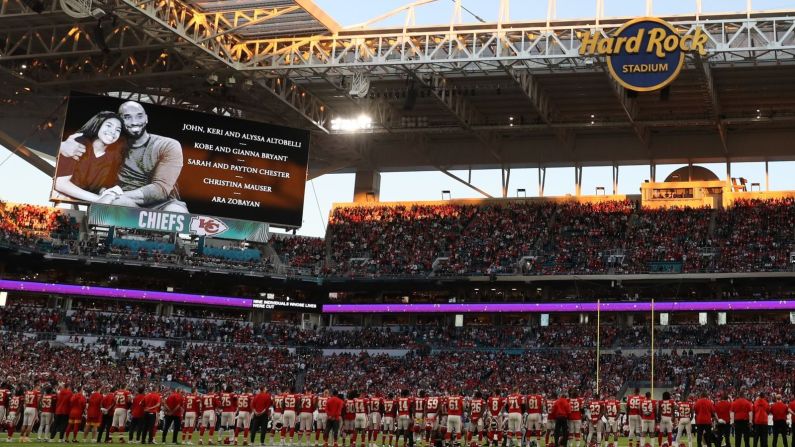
(680, 306)
(127, 294)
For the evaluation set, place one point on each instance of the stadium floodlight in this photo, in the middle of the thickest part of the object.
(359, 123)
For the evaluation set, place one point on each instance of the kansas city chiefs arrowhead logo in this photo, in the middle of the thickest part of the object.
(207, 226)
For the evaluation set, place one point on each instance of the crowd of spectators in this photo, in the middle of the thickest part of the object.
(755, 356)
(300, 251)
(23, 318)
(143, 322)
(546, 237)
(146, 325)
(511, 237)
(756, 235)
(24, 224)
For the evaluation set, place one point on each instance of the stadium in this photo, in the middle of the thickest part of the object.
(275, 222)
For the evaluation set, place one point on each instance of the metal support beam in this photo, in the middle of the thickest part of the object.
(578, 180)
(453, 176)
(26, 154)
(767, 176)
(630, 107)
(541, 104)
(506, 181)
(194, 28)
(452, 98)
(615, 179)
(542, 178)
(652, 171)
(713, 101)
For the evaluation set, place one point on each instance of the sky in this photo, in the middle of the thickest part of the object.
(20, 182)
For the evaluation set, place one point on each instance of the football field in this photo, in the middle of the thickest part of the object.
(15, 442)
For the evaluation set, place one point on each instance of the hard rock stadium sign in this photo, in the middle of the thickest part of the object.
(646, 53)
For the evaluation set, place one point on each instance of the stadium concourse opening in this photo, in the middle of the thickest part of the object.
(159, 300)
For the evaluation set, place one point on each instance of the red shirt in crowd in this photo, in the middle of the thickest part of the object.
(779, 411)
(174, 404)
(261, 402)
(152, 402)
(62, 403)
(77, 403)
(94, 413)
(760, 411)
(561, 409)
(107, 403)
(723, 409)
(334, 408)
(704, 410)
(137, 406)
(741, 407)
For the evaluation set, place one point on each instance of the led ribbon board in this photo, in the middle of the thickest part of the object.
(662, 306)
(646, 53)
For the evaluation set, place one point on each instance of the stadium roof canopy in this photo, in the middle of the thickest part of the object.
(454, 96)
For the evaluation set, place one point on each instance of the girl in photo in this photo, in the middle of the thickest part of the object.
(94, 174)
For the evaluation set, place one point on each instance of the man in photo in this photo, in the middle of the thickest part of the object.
(150, 167)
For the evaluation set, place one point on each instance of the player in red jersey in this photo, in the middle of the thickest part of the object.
(289, 416)
(666, 409)
(5, 394)
(15, 404)
(228, 401)
(189, 419)
(47, 414)
(93, 414)
(431, 416)
(374, 408)
(243, 414)
(322, 416)
(455, 412)
(633, 415)
(77, 406)
(208, 404)
(419, 413)
(405, 406)
(495, 405)
(388, 420)
(612, 413)
(533, 422)
(348, 417)
(515, 404)
(442, 415)
(121, 403)
(648, 416)
(685, 411)
(306, 404)
(475, 407)
(595, 425)
(550, 425)
(360, 419)
(31, 413)
(278, 414)
(575, 417)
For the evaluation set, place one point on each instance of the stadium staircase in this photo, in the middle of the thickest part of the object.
(270, 253)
